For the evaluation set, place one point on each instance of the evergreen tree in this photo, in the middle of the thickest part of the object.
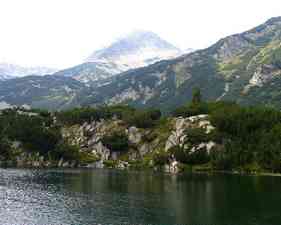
(196, 96)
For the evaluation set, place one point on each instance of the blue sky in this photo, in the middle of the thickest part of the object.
(61, 33)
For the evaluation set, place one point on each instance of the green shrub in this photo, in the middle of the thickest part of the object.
(117, 141)
(161, 158)
(143, 118)
(185, 156)
(86, 158)
(191, 110)
(5, 149)
(196, 136)
(66, 151)
(110, 163)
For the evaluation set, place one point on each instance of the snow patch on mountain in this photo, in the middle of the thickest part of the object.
(140, 58)
(138, 49)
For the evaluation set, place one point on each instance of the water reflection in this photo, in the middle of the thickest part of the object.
(122, 197)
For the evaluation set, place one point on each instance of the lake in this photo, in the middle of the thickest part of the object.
(88, 197)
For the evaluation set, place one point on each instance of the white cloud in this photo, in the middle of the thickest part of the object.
(61, 33)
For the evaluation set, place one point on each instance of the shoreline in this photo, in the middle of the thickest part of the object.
(238, 173)
(222, 172)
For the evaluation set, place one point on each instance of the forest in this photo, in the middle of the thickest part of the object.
(249, 136)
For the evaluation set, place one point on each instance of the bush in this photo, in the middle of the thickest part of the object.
(88, 114)
(191, 110)
(86, 158)
(5, 149)
(161, 158)
(117, 141)
(185, 156)
(110, 163)
(196, 136)
(143, 118)
(66, 151)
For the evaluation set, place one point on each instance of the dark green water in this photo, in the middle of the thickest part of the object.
(88, 197)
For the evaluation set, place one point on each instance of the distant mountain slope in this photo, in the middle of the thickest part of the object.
(243, 67)
(4, 77)
(138, 49)
(90, 71)
(8, 71)
(49, 92)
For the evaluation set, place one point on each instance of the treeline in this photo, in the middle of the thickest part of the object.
(133, 117)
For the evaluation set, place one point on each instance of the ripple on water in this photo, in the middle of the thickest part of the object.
(87, 197)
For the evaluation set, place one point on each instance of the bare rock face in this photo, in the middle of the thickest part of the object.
(134, 135)
(231, 47)
(101, 150)
(60, 163)
(144, 149)
(264, 74)
(172, 167)
(178, 136)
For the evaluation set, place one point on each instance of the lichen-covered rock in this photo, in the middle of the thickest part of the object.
(101, 150)
(264, 74)
(60, 163)
(172, 167)
(122, 165)
(178, 136)
(144, 149)
(134, 135)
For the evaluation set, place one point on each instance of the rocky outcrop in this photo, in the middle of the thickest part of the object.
(178, 136)
(134, 135)
(172, 167)
(263, 75)
(143, 143)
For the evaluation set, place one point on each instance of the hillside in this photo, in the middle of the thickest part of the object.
(51, 92)
(244, 67)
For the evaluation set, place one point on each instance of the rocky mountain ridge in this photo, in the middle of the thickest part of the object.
(236, 68)
(244, 67)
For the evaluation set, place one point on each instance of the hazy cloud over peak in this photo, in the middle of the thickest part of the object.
(62, 33)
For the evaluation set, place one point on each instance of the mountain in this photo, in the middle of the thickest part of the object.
(50, 92)
(8, 71)
(138, 49)
(4, 77)
(90, 72)
(244, 67)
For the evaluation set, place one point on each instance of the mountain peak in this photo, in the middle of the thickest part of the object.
(146, 38)
(136, 49)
